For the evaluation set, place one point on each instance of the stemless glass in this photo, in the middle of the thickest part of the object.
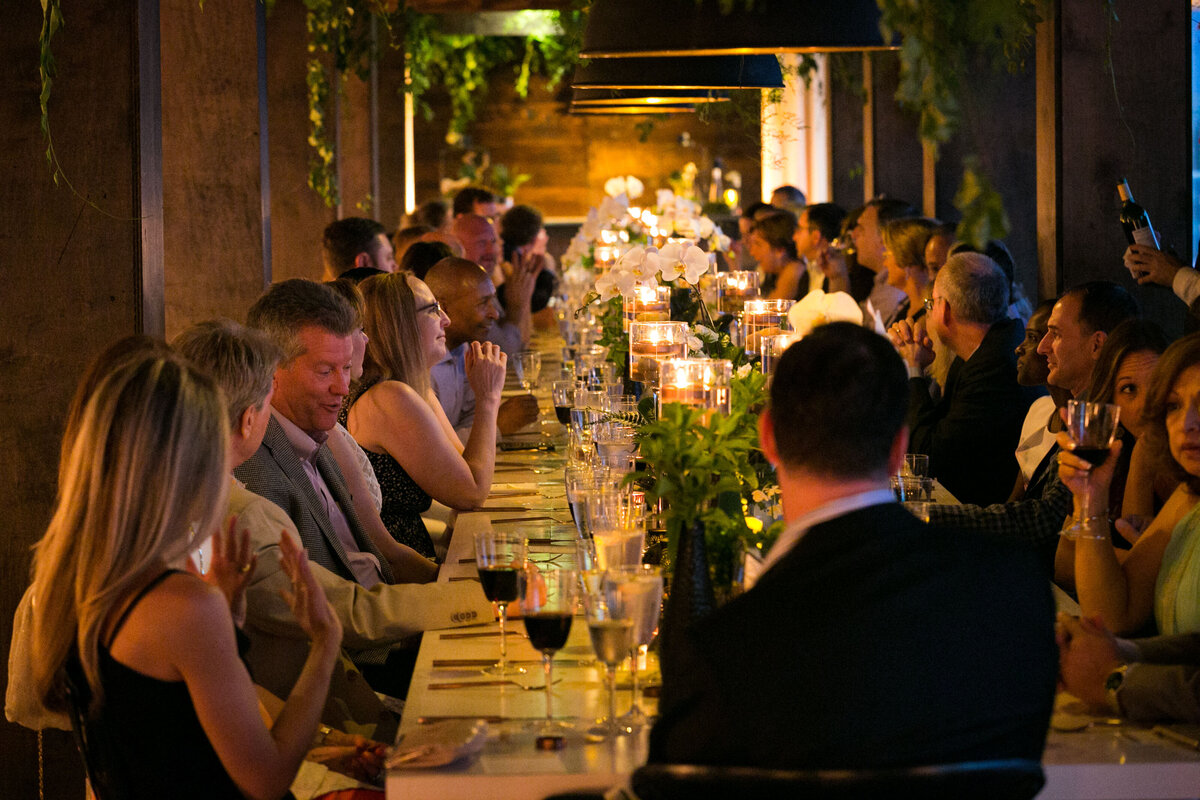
(1092, 427)
(500, 559)
(611, 630)
(641, 588)
(548, 603)
(529, 367)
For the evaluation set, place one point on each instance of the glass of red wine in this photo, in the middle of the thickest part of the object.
(548, 602)
(1091, 427)
(500, 559)
(563, 394)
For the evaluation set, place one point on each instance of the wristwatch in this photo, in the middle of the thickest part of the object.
(1112, 684)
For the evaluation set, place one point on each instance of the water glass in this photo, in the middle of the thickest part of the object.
(641, 589)
(528, 364)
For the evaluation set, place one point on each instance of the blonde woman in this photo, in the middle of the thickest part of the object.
(904, 243)
(398, 420)
(144, 651)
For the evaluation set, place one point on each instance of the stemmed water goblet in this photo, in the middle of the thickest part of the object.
(529, 367)
(617, 523)
(548, 601)
(500, 559)
(1091, 427)
(641, 588)
(611, 629)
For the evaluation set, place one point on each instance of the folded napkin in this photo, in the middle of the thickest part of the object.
(438, 744)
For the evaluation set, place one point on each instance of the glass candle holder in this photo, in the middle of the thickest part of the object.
(771, 348)
(647, 304)
(651, 343)
(697, 382)
(760, 314)
(734, 289)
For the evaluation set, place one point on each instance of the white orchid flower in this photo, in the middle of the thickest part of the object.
(704, 227)
(664, 198)
(694, 345)
(704, 332)
(695, 263)
(818, 308)
(624, 281)
(614, 186)
(606, 286)
(743, 370)
(591, 227)
(614, 209)
(721, 242)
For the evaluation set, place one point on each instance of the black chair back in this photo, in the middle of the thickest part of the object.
(1014, 779)
(106, 785)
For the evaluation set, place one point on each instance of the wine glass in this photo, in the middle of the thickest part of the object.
(611, 629)
(1091, 427)
(500, 559)
(563, 395)
(617, 522)
(529, 367)
(641, 587)
(548, 602)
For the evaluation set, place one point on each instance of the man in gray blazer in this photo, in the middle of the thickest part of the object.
(293, 469)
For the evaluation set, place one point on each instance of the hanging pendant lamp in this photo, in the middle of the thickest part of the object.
(646, 97)
(696, 72)
(640, 109)
(635, 28)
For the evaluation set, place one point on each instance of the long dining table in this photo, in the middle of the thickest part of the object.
(1102, 761)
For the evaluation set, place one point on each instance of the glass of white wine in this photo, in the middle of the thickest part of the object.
(641, 589)
(611, 628)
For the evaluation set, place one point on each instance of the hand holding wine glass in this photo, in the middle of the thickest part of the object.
(1085, 464)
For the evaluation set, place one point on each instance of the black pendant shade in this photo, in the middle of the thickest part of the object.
(636, 28)
(698, 72)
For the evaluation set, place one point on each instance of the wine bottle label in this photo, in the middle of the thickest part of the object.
(1146, 236)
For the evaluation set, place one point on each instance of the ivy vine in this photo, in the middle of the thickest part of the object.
(939, 41)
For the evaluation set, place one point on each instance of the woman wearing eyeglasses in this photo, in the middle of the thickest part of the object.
(395, 416)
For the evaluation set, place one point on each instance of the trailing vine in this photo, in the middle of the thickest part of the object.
(939, 41)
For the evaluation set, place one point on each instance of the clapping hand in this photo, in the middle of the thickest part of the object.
(232, 567)
(485, 364)
(913, 343)
(361, 759)
(306, 598)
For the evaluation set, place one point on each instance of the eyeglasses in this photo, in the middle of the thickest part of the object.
(434, 308)
(929, 303)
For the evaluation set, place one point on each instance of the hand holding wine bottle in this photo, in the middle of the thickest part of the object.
(1150, 265)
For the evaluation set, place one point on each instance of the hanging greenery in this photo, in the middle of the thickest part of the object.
(462, 64)
(940, 41)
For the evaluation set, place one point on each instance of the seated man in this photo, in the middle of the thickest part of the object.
(870, 639)
(970, 433)
(293, 468)
(481, 244)
(356, 245)
(469, 299)
(1139, 679)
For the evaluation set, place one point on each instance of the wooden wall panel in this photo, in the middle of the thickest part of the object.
(570, 157)
(212, 180)
(73, 280)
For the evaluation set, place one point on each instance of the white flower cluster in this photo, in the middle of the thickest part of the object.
(819, 308)
(679, 216)
(646, 266)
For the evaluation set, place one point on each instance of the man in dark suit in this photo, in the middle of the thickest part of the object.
(293, 468)
(970, 432)
(870, 639)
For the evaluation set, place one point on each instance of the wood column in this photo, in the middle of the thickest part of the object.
(78, 272)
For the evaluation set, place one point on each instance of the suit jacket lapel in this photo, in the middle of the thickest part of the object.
(280, 447)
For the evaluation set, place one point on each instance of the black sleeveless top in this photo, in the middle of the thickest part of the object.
(403, 499)
(146, 740)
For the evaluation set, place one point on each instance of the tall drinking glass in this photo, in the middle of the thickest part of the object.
(548, 603)
(500, 559)
(611, 629)
(1092, 427)
(617, 522)
(641, 589)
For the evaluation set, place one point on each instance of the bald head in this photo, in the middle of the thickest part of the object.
(479, 240)
(468, 297)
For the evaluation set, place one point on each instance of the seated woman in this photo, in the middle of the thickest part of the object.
(140, 649)
(1160, 577)
(395, 416)
(407, 564)
(904, 259)
(1121, 376)
(772, 243)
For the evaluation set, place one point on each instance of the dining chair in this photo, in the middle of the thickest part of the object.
(103, 783)
(1012, 779)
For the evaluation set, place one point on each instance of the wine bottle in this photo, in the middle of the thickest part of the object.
(1135, 220)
